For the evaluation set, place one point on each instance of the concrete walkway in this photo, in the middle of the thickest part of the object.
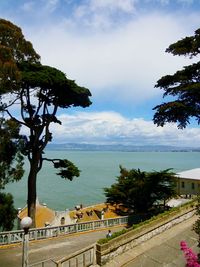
(55, 248)
(161, 250)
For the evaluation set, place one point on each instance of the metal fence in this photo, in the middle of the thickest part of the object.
(49, 232)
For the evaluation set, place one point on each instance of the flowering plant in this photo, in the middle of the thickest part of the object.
(190, 256)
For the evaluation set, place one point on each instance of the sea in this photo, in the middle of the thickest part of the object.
(99, 169)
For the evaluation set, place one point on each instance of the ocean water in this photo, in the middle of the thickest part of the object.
(99, 169)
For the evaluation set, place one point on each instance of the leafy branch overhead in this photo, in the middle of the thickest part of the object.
(189, 46)
(184, 86)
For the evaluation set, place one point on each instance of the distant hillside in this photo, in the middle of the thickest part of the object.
(118, 147)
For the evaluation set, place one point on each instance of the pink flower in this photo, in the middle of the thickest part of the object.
(190, 256)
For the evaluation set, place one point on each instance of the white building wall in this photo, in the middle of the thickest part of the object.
(62, 217)
(188, 186)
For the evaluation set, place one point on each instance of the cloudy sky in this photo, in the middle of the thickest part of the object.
(116, 48)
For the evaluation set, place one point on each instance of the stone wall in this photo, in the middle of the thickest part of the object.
(132, 238)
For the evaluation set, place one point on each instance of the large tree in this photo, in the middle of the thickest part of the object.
(183, 86)
(39, 91)
(139, 190)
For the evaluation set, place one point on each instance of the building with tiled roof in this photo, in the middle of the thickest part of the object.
(46, 216)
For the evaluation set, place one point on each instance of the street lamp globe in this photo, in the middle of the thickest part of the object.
(26, 223)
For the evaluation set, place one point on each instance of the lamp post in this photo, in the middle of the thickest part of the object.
(25, 224)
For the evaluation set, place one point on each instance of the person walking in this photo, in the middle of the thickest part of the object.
(109, 234)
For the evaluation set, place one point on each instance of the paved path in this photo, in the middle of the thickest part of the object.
(55, 248)
(161, 250)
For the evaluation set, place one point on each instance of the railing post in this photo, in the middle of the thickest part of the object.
(58, 231)
(9, 238)
(106, 223)
(84, 264)
(35, 234)
(94, 255)
(76, 261)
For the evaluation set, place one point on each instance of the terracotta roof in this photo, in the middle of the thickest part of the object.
(43, 215)
(110, 212)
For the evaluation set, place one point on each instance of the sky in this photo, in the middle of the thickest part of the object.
(116, 48)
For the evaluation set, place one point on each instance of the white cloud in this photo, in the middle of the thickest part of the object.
(185, 2)
(112, 128)
(28, 6)
(50, 5)
(125, 62)
(164, 2)
(127, 6)
(102, 14)
(168, 2)
(119, 54)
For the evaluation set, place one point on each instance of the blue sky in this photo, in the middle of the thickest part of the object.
(116, 48)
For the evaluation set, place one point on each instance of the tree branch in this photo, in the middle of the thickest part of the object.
(13, 118)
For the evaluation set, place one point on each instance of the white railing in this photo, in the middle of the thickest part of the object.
(82, 258)
(47, 232)
(45, 263)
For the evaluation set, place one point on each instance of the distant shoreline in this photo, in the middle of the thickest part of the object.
(118, 148)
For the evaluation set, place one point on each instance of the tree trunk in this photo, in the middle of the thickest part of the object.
(32, 191)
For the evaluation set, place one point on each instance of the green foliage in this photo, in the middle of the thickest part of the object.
(187, 46)
(7, 212)
(13, 49)
(11, 159)
(184, 86)
(11, 37)
(67, 169)
(139, 190)
(53, 87)
(11, 168)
